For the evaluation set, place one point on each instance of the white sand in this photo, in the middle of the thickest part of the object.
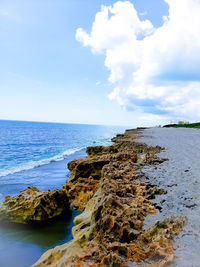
(180, 176)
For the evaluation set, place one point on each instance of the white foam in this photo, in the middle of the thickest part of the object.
(34, 164)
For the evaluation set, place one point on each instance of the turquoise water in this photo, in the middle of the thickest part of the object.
(33, 153)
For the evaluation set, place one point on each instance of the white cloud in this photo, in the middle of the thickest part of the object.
(144, 13)
(98, 83)
(153, 70)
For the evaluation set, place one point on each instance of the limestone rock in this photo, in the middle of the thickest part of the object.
(86, 173)
(32, 206)
(110, 231)
(83, 231)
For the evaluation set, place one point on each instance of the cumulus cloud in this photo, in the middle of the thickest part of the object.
(144, 13)
(98, 83)
(153, 70)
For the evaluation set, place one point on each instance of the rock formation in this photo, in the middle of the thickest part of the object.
(110, 231)
(32, 206)
(114, 200)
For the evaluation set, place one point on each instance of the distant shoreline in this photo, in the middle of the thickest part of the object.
(185, 125)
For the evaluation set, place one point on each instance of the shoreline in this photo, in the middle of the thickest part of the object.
(27, 244)
(179, 176)
(103, 235)
(134, 200)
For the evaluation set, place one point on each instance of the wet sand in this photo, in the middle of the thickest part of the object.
(180, 177)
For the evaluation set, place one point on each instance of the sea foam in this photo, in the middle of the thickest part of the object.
(34, 164)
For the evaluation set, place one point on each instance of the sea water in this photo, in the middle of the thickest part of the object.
(36, 154)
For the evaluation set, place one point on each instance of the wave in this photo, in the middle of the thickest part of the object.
(34, 164)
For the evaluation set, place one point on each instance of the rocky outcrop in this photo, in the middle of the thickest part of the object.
(33, 206)
(84, 179)
(86, 173)
(110, 231)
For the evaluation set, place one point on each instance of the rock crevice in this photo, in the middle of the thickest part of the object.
(115, 202)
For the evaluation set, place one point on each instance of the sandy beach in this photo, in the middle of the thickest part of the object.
(139, 199)
(125, 221)
(179, 176)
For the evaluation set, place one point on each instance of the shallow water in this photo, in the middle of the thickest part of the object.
(19, 246)
(37, 154)
(179, 176)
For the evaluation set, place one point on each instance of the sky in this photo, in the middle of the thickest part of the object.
(131, 63)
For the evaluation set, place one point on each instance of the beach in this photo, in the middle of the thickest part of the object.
(100, 133)
(179, 176)
(137, 202)
(123, 223)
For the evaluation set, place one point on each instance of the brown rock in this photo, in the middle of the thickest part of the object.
(32, 206)
(110, 231)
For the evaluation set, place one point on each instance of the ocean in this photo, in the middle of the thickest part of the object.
(37, 153)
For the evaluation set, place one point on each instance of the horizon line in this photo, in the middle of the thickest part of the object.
(15, 120)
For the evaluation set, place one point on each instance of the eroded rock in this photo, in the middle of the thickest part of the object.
(110, 231)
(32, 206)
(86, 173)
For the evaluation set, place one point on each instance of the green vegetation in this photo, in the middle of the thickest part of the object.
(186, 125)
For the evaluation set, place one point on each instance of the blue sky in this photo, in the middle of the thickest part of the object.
(47, 75)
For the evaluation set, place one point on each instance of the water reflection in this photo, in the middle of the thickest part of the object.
(22, 246)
